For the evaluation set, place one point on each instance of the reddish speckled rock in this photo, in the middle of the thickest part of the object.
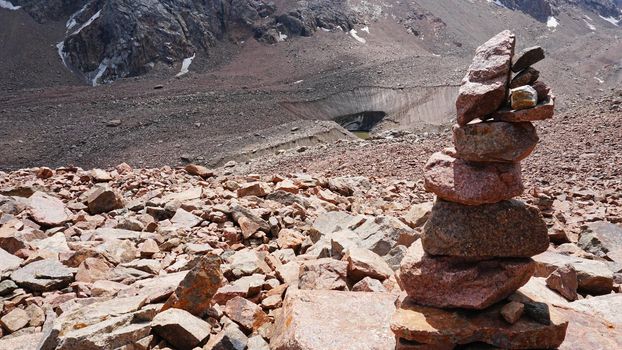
(495, 141)
(472, 183)
(194, 293)
(321, 320)
(508, 229)
(428, 325)
(448, 282)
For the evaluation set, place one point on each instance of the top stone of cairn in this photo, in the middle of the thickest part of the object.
(484, 88)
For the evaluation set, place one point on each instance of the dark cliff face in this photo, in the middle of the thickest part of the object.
(542, 9)
(111, 39)
(538, 9)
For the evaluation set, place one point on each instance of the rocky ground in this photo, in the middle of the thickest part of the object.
(245, 255)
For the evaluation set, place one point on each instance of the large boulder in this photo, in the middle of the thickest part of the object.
(495, 142)
(324, 273)
(594, 277)
(194, 293)
(320, 320)
(484, 88)
(603, 239)
(505, 229)
(47, 210)
(181, 329)
(447, 282)
(471, 183)
(8, 262)
(43, 276)
(108, 324)
(435, 328)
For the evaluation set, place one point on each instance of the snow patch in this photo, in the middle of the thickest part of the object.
(365, 29)
(589, 25)
(72, 20)
(297, 82)
(588, 17)
(8, 5)
(89, 22)
(103, 66)
(325, 29)
(552, 22)
(610, 20)
(63, 57)
(185, 65)
(599, 80)
(355, 36)
(281, 37)
(497, 2)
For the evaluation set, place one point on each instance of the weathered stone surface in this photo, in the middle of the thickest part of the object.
(470, 183)
(484, 87)
(6, 287)
(323, 273)
(180, 328)
(8, 262)
(512, 311)
(247, 314)
(495, 141)
(448, 282)
(428, 325)
(257, 342)
(418, 214)
(369, 284)
(594, 277)
(230, 338)
(542, 111)
(249, 222)
(320, 320)
(527, 76)
(258, 189)
(603, 239)
(195, 292)
(15, 320)
(505, 229)
(564, 281)
(527, 58)
(43, 276)
(47, 210)
(102, 199)
(199, 170)
(28, 341)
(608, 307)
(93, 269)
(290, 239)
(247, 262)
(185, 219)
(96, 326)
(586, 331)
(365, 263)
(523, 97)
(56, 243)
(379, 234)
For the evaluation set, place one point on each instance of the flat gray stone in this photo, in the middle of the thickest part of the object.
(43, 276)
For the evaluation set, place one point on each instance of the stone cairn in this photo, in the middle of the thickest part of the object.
(462, 277)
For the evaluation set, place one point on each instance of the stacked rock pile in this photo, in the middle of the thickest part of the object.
(476, 248)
